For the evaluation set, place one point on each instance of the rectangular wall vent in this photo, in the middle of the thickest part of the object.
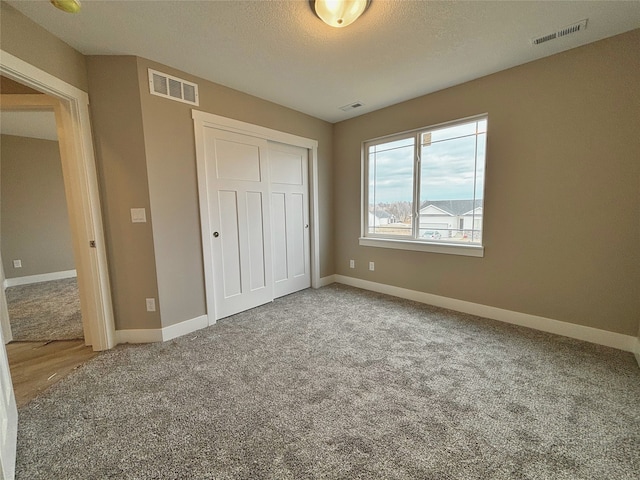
(351, 106)
(173, 88)
(568, 30)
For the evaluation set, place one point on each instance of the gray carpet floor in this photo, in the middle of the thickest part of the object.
(45, 311)
(339, 383)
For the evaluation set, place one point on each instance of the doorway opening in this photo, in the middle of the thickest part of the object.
(70, 109)
(40, 274)
(39, 278)
(70, 106)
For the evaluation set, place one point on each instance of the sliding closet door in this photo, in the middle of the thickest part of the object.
(255, 202)
(289, 169)
(239, 219)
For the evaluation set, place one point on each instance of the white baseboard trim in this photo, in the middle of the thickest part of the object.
(151, 335)
(184, 328)
(43, 277)
(328, 280)
(637, 351)
(572, 330)
(142, 335)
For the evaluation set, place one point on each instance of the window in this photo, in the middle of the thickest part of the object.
(426, 188)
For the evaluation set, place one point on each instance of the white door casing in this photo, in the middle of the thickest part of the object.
(5, 324)
(289, 169)
(8, 410)
(81, 188)
(237, 176)
(204, 121)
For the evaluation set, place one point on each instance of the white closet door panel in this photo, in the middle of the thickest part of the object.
(287, 167)
(279, 236)
(298, 234)
(230, 282)
(290, 225)
(239, 219)
(237, 161)
(256, 241)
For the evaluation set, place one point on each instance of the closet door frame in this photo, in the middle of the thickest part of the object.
(203, 120)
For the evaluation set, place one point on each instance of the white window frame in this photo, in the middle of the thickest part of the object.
(413, 243)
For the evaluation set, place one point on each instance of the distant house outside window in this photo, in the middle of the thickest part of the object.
(426, 187)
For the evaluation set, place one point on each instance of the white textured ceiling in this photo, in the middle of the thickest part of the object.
(280, 51)
(29, 124)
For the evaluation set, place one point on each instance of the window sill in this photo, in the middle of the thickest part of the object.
(446, 248)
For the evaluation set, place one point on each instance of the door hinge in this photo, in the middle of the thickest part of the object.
(92, 243)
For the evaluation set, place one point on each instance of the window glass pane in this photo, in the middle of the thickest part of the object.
(446, 133)
(391, 173)
(451, 184)
(382, 147)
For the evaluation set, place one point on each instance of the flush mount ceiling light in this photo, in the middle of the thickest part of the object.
(69, 6)
(339, 13)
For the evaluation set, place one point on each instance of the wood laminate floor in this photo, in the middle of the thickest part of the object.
(35, 366)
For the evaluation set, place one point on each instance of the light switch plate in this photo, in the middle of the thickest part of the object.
(138, 215)
(17, 264)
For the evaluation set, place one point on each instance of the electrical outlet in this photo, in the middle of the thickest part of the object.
(352, 264)
(372, 266)
(151, 304)
(17, 264)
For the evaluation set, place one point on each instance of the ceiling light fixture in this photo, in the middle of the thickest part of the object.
(68, 6)
(339, 13)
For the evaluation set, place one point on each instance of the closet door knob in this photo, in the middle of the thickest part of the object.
(216, 234)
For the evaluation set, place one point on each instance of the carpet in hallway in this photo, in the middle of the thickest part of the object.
(45, 311)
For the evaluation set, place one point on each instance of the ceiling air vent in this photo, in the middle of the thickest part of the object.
(568, 30)
(351, 106)
(172, 87)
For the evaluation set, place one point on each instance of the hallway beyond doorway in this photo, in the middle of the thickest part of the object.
(35, 366)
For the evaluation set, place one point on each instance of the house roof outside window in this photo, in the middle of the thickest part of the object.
(453, 207)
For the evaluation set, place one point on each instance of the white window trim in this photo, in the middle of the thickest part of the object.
(398, 243)
(422, 246)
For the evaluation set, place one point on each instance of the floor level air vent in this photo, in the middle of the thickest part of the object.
(568, 30)
(173, 88)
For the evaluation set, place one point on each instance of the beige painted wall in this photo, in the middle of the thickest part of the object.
(122, 174)
(171, 167)
(28, 41)
(11, 87)
(145, 151)
(35, 222)
(562, 193)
